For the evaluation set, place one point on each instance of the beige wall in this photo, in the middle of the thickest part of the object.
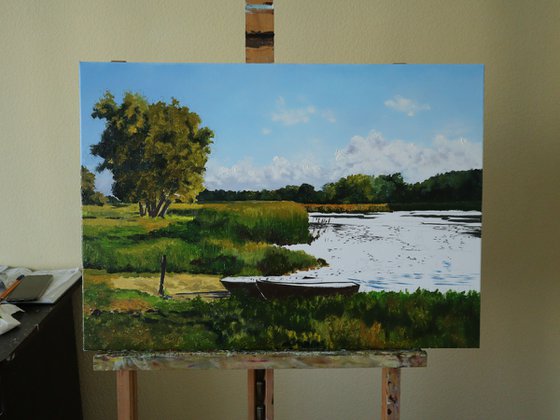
(515, 373)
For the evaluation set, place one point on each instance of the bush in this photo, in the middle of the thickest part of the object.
(226, 265)
(278, 261)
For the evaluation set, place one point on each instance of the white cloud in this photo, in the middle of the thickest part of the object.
(278, 173)
(374, 154)
(370, 155)
(293, 116)
(302, 115)
(328, 115)
(266, 131)
(405, 105)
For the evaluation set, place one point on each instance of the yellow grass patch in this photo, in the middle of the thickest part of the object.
(93, 276)
(106, 222)
(128, 305)
(149, 282)
(108, 210)
(150, 224)
(185, 206)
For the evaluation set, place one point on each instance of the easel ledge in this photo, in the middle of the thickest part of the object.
(268, 360)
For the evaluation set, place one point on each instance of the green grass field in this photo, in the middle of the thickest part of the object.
(374, 320)
(203, 243)
(223, 239)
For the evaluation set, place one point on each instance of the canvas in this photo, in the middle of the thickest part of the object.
(281, 207)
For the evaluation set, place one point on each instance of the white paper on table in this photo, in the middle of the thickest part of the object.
(7, 321)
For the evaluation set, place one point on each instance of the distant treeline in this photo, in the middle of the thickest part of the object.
(450, 187)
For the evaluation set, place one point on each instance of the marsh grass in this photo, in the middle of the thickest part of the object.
(372, 208)
(374, 320)
(452, 205)
(219, 238)
(346, 208)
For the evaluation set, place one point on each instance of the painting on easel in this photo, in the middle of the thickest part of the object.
(281, 207)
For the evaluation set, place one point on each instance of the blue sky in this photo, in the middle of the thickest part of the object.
(287, 124)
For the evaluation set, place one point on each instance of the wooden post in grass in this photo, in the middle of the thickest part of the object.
(162, 275)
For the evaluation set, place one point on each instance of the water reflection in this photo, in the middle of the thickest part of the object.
(396, 251)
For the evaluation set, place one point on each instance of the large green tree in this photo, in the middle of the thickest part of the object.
(157, 152)
(388, 188)
(350, 189)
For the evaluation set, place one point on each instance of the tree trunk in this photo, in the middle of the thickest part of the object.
(141, 209)
(154, 209)
(159, 205)
(151, 207)
(162, 275)
(163, 211)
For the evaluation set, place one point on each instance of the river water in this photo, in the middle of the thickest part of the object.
(407, 250)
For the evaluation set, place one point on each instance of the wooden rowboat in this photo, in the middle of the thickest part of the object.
(279, 290)
(237, 287)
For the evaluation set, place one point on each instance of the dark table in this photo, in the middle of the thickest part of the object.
(38, 364)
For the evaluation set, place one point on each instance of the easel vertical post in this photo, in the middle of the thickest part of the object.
(260, 393)
(259, 31)
(127, 405)
(251, 393)
(259, 48)
(390, 394)
(269, 394)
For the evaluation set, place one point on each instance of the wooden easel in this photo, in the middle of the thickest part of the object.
(260, 368)
(259, 48)
(260, 391)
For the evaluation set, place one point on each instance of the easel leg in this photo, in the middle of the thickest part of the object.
(269, 394)
(251, 393)
(127, 407)
(391, 394)
(260, 393)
